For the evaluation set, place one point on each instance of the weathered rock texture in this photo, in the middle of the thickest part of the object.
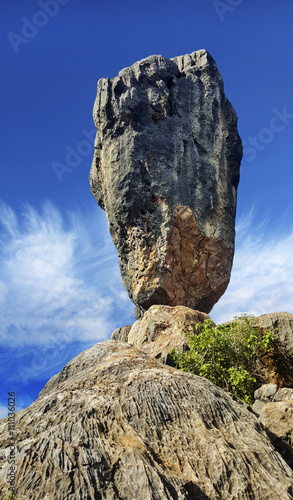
(162, 329)
(282, 324)
(275, 407)
(117, 424)
(166, 170)
(274, 402)
(277, 417)
(121, 333)
(269, 393)
(279, 363)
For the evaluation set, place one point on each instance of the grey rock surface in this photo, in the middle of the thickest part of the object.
(274, 406)
(284, 394)
(266, 392)
(270, 393)
(121, 333)
(117, 424)
(166, 170)
(258, 406)
(277, 417)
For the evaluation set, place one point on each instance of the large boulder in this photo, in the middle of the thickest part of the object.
(117, 424)
(166, 171)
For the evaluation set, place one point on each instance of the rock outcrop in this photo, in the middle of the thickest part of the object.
(166, 170)
(121, 333)
(274, 401)
(117, 424)
(282, 324)
(274, 406)
(277, 417)
(162, 329)
(269, 393)
(279, 363)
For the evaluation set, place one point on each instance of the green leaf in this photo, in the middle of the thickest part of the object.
(228, 355)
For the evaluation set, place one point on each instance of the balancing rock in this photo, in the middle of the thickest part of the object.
(166, 171)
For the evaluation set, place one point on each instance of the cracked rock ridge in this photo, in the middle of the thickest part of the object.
(117, 424)
(166, 171)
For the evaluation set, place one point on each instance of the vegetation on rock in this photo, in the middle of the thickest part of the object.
(228, 355)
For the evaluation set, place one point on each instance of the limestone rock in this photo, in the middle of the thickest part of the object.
(162, 329)
(278, 417)
(284, 394)
(265, 394)
(166, 170)
(258, 406)
(117, 424)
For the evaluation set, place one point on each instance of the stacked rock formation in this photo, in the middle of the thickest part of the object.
(117, 423)
(166, 170)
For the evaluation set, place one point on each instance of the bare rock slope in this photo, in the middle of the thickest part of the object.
(166, 171)
(117, 424)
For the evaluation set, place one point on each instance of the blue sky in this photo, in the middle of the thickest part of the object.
(60, 286)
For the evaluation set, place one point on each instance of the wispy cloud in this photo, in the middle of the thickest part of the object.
(60, 293)
(59, 278)
(262, 274)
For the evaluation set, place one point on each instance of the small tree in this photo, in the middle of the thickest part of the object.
(228, 355)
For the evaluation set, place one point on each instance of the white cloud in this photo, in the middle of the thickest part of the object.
(59, 281)
(262, 274)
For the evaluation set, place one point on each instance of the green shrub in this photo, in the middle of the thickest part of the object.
(230, 356)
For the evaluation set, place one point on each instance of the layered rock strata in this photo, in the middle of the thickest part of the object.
(117, 424)
(166, 170)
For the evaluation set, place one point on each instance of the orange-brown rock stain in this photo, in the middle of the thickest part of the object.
(196, 263)
(192, 269)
